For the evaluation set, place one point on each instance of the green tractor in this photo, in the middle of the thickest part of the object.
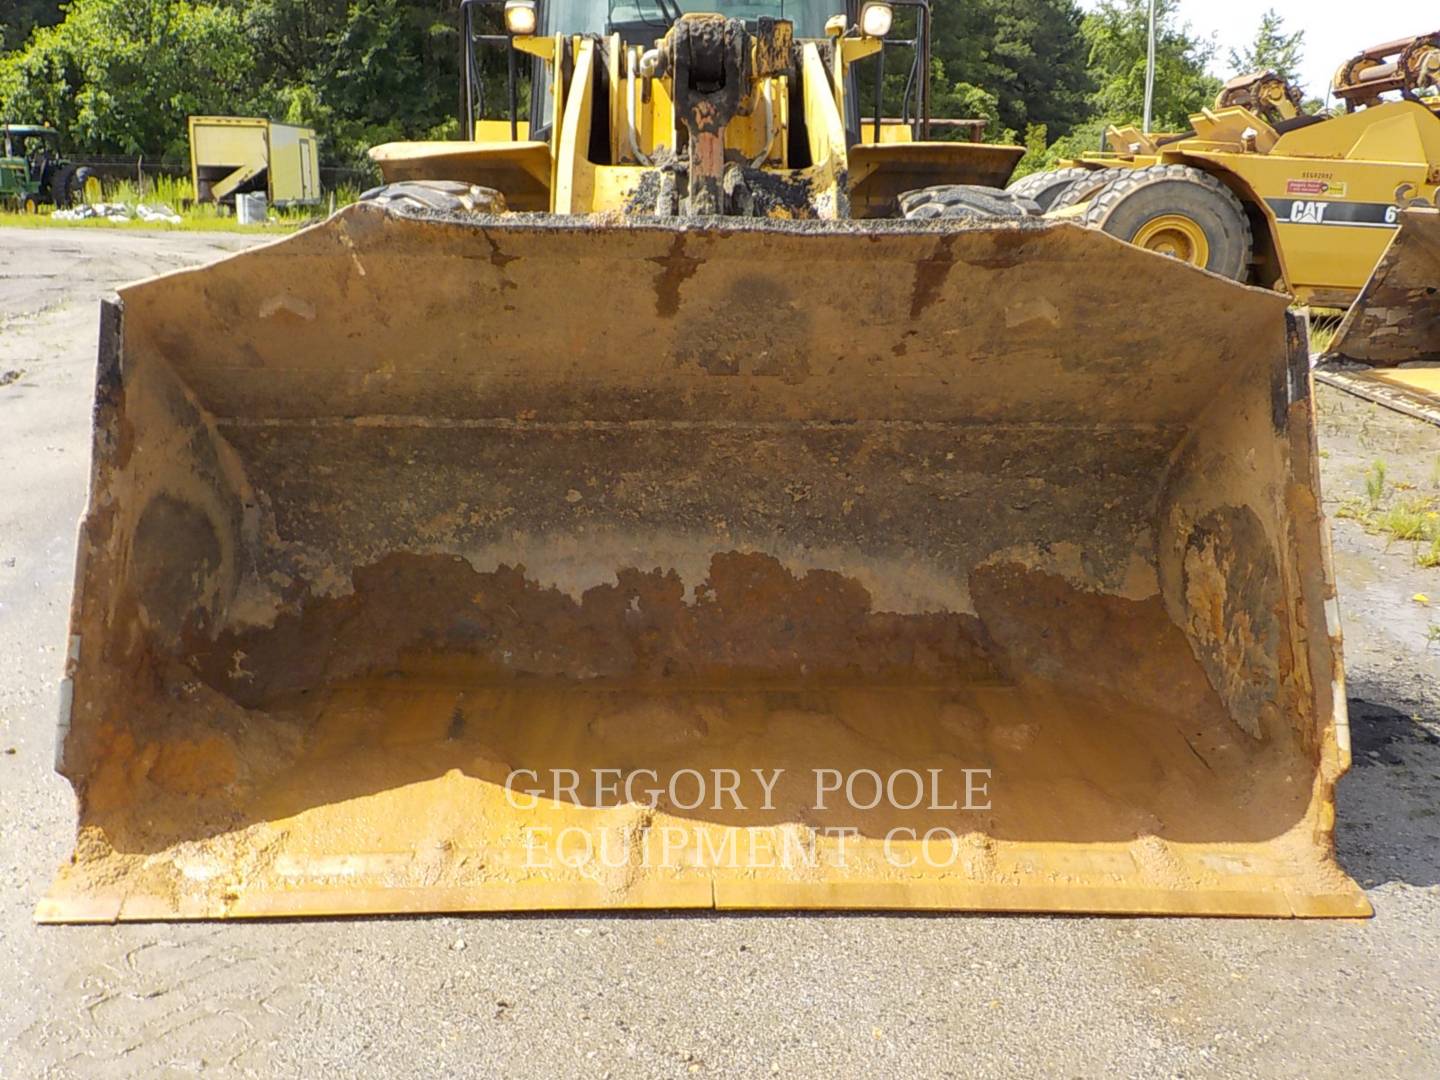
(32, 171)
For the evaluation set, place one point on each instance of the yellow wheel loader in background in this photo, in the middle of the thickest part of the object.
(692, 500)
(1335, 210)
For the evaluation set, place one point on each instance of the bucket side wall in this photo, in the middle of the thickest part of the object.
(1243, 553)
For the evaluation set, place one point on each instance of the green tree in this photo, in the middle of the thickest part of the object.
(121, 76)
(19, 17)
(966, 101)
(1117, 33)
(1038, 58)
(1015, 63)
(360, 71)
(1272, 50)
(1028, 54)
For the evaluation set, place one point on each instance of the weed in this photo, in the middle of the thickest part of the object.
(177, 193)
(1375, 484)
(1324, 325)
(1354, 509)
(1430, 556)
(1406, 521)
(1414, 519)
(346, 194)
(122, 191)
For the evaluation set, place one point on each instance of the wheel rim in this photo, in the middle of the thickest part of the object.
(91, 191)
(1175, 235)
(30, 206)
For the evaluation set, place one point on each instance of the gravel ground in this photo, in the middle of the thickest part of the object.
(694, 994)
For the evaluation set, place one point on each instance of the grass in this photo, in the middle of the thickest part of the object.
(1398, 512)
(189, 223)
(1324, 325)
(177, 193)
(1406, 521)
(1375, 484)
(1430, 556)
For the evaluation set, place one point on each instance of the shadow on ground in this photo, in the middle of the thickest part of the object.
(1388, 827)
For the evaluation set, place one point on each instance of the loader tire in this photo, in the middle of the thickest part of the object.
(965, 201)
(1083, 188)
(82, 187)
(60, 188)
(1044, 187)
(1177, 211)
(448, 197)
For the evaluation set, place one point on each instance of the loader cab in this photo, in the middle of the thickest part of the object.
(641, 22)
(521, 78)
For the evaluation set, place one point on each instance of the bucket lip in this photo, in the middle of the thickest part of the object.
(1148, 265)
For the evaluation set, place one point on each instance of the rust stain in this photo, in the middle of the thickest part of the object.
(500, 260)
(774, 45)
(1233, 593)
(675, 269)
(751, 614)
(930, 275)
(1008, 248)
(1099, 646)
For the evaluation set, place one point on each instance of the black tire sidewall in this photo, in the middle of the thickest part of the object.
(1045, 187)
(1083, 188)
(965, 201)
(1226, 235)
(60, 187)
(78, 178)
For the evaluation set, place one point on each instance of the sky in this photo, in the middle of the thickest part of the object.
(1334, 29)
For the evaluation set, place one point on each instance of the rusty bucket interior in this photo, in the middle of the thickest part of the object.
(521, 563)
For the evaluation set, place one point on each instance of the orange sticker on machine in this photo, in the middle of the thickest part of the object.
(1315, 187)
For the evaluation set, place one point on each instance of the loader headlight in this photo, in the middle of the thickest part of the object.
(520, 17)
(875, 20)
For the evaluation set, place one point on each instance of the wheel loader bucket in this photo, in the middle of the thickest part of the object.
(519, 563)
(1393, 327)
(1396, 317)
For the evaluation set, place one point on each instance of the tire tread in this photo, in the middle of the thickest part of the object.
(1104, 202)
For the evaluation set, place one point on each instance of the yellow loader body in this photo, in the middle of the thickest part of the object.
(1325, 198)
(507, 561)
(1338, 211)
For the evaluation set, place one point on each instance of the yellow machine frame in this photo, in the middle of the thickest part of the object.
(1328, 194)
(857, 180)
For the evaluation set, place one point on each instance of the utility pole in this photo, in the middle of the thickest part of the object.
(1149, 69)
